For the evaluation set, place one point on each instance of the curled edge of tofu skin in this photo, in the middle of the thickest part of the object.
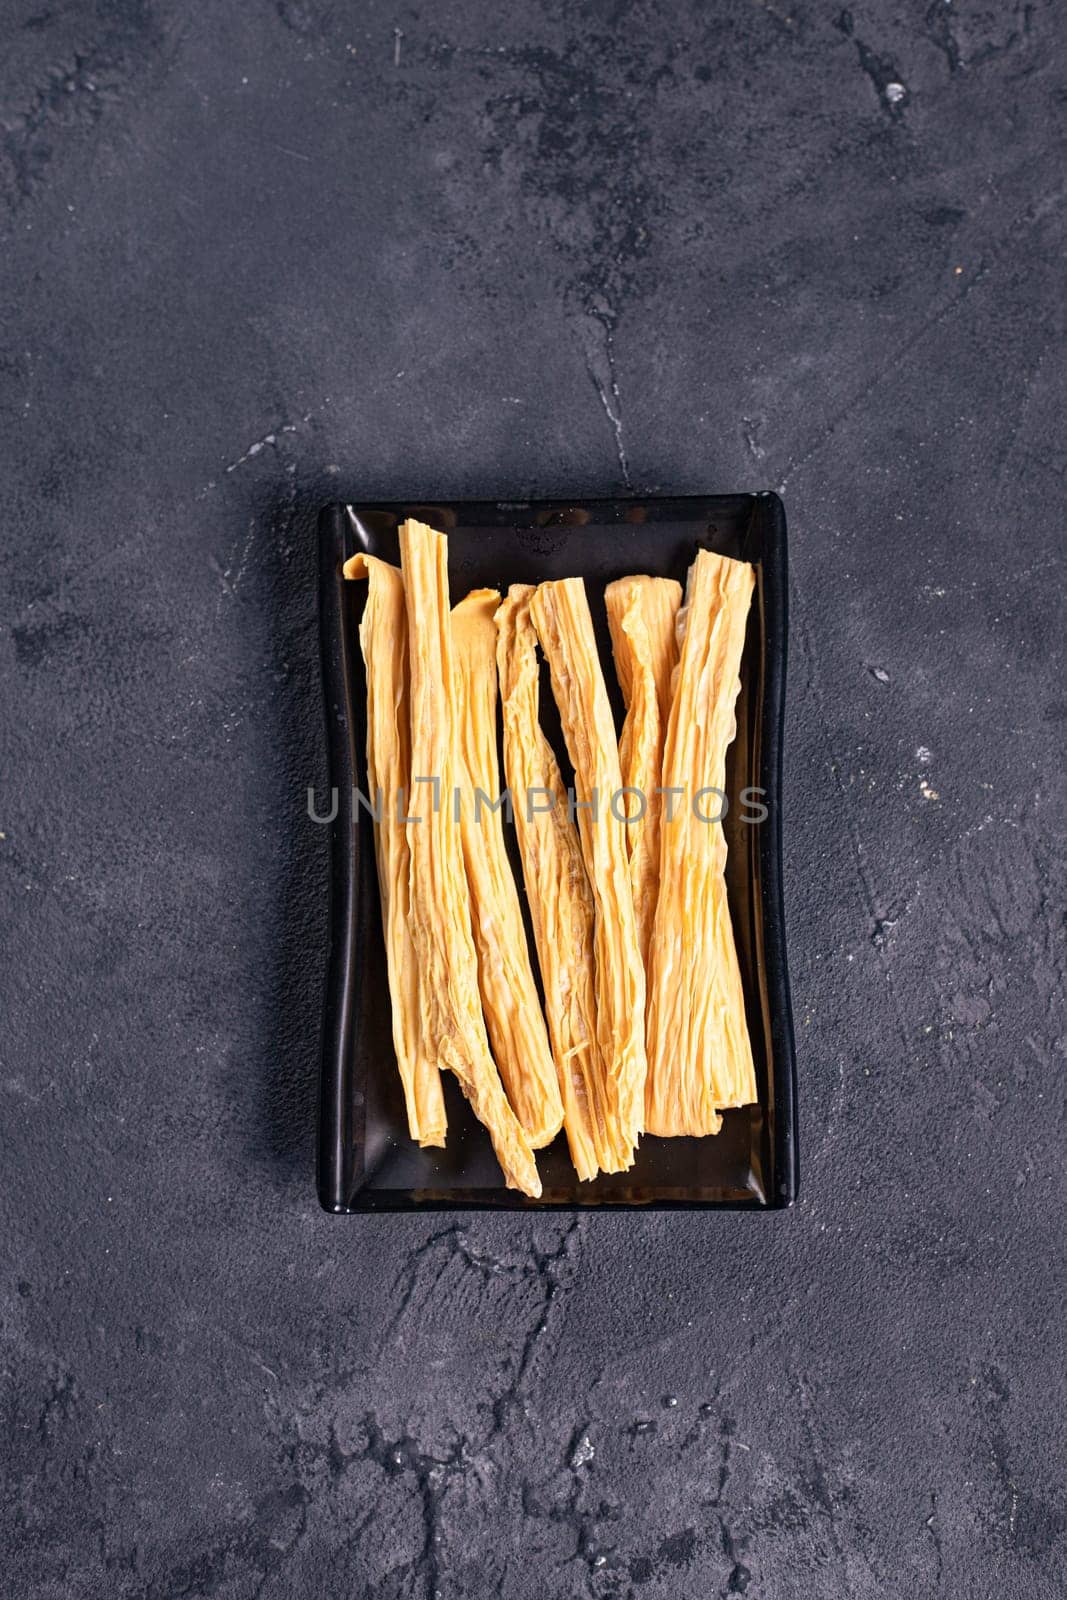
(440, 903)
(510, 1001)
(560, 613)
(383, 641)
(560, 900)
(700, 1055)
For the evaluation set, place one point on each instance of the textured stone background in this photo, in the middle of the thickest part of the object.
(256, 255)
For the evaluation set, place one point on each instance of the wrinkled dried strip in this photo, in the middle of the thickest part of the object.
(383, 639)
(560, 613)
(641, 616)
(700, 1056)
(512, 1009)
(440, 904)
(560, 899)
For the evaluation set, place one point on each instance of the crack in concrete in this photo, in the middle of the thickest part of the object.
(942, 36)
(751, 427)
(892, 93)
(933, 1523)
(599, 351)
(270, 440)
(454, 1240)
(992, 1400)
(733, 1549)
(540, 1269)
(546, 1265)
(557, 1500)
(431, 1474)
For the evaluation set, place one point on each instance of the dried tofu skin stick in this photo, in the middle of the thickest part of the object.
(440, 903)
(560, 613)
(699, 1053)
(641, 615)
(657, 601)
(383, 639)
(560, 899)
(512, 1009)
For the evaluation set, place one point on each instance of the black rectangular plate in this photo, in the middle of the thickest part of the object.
(366, 1162)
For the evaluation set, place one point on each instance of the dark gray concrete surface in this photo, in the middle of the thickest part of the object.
(256, 256)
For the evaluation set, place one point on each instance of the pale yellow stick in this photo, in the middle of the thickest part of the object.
(560, 613)
(560, 899)
(440, 904)
(383, 639)
(700, 1056)
(641, 616)
(509, 995)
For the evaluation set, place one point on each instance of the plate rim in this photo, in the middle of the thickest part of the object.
(336, 1142)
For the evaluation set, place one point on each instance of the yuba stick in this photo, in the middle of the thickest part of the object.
(641, 615)
(560, 613)
(560, 899)
(384, 642)
(440, 904)
(509, 995)
(699, 1053)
